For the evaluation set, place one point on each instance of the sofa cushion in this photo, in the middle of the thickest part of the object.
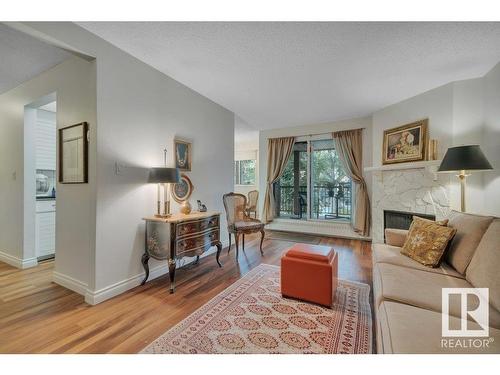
(470, 229)
(427, 241)
(382, 253)
(420, 289)
(395, 237)
(484, 268)
(408, 329)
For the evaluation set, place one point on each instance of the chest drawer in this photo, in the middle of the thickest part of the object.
(196, 226)
(200, 242)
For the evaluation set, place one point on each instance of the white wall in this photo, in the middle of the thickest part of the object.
(436, 105)
(463, 112)
(491, 140)
(139, 111)
(74, 83)
(331, 229)
(468, 124)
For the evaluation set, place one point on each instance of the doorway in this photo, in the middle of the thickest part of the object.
(40, 178)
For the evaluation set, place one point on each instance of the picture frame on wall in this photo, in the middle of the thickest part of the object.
(182, 190)
(73, 154)
(183, 155)
(405, 143)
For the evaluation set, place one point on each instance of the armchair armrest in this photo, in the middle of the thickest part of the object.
(395, 237)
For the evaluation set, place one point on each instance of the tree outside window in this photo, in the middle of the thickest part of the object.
(244, 172)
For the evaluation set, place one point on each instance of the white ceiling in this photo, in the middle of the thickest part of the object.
(23, 57)
(287, 74)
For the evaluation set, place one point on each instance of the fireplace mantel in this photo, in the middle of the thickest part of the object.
(430, 165)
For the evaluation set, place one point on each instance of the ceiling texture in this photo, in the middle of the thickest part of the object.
(279, 74)
(23, 57)
(288, 74)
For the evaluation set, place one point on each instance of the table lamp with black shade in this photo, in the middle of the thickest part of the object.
(463, 159)
(163, 176)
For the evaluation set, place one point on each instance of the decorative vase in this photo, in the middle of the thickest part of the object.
(185, 207)
(433, 149)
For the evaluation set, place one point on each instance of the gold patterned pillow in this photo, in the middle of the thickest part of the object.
(443, 222)
(427, 241)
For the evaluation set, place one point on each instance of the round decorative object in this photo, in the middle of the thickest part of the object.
(185, 207)
(182, 190)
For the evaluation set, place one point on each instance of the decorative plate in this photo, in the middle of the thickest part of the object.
(182, 190)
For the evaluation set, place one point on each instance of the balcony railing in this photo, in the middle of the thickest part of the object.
(328, 202)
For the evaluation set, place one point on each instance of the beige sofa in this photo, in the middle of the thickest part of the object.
(407, 295)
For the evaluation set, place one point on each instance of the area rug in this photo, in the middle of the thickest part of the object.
(251, 316)
(292, 237)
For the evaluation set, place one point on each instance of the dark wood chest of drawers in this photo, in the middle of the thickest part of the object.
(180, 236)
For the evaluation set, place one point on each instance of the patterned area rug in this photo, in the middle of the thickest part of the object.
(251, 316)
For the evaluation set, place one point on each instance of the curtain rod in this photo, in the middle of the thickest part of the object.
(325, 133)
(311, 134)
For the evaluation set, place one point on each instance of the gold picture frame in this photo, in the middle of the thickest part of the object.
(183, 155)
(405, 143)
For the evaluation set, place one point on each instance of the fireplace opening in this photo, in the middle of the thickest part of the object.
(401, 219)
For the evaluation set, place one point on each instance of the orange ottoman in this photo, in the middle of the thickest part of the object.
(309, 273)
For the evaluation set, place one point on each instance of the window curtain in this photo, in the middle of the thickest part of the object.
(349, 146)
(278, 153)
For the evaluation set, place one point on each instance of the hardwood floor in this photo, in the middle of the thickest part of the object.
(38, 316)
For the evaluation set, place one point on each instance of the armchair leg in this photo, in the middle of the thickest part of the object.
(237, 240)
(243, 241)
(262, 232)
(229, 248)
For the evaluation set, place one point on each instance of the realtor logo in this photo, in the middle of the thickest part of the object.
(474, 308)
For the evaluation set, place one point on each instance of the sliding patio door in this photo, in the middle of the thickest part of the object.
(314, 185)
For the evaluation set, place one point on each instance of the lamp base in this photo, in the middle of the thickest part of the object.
(163, 216)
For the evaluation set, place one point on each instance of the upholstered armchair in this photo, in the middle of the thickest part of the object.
(253, 198)
(238, 222)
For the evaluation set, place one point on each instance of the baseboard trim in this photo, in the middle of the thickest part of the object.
(70, 283)
(101, 295)
(18, 262)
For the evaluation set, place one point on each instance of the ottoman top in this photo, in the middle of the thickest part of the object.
(311, 252)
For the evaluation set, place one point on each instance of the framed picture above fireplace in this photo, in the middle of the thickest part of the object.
(405, 143)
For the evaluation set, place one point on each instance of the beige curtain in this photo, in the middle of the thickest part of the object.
(278, 153)
(349, 146)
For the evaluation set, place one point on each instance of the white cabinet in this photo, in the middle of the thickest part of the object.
(45, 226)
(46, 140)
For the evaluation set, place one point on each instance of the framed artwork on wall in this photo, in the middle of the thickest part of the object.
(183, 154)
(73, 154)
(405, 143)
(183, 189)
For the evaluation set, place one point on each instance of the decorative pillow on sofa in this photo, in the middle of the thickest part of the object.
(427, 241)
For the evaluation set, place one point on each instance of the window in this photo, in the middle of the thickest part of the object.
(314, 184)
(244, 172)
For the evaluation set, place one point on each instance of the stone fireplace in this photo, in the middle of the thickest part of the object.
(410, 190)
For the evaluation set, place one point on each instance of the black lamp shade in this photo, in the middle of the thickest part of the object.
(162, 175)
(467, 158)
